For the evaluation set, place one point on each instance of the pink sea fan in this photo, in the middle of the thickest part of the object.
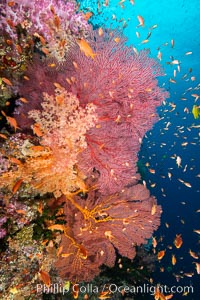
(99, 225)
(123, 86)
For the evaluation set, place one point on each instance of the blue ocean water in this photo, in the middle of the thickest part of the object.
(172, 28)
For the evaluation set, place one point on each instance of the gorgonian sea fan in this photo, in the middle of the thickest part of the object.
(99, 225)
(123, 86)
(124, 89)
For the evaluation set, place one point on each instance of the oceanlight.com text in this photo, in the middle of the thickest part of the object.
(113, 288)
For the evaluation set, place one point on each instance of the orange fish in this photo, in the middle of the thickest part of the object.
(75, 290)
(117, 40)
(145, 41)
(52, 9)
(56, 21)
(24, 100)
(11, 3)
(52, 65)
(44, 276)
(154, 242)
(40, 208)
(104, 295)
(173, 259)
(26, 77)
(21, 211)
(86, 49)
(57, 227)
(17, 186)
(193, 254)
(153, 209)
(159, 56)
(45, 50)
(19, 49)
(161, 254)
(197, 267)
(6, 80)
(141, 21)
(158, 295)
(9, 42)
(100, 31)
(65, 255)
(10, 23)
(178, 241)
(37, 148)
(42, 40)
(60, 249)
(3, 136)
(37, 130)
(172, 80)
(75, 65)
(88, 15)
(57, 85)
(10, 120)
(15, 160)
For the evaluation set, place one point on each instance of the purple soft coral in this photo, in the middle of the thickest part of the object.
(35, 16)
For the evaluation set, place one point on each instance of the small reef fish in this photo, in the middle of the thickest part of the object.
(88, 15)
(178, 241)
(154, 242)
(197, 267)
(195, 111)
(100, 31)
(17, 186)
(178, 161)
(188, 53)
(185, 183)
(44, 276)
(141, 21)
(193, 254)
(57, 227)
(159, 56)
(161, 254)
(12, 122)
(86, 49)
(173, 260)
(6, 81)
(37, 130)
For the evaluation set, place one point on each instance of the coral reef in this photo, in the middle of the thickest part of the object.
(71, 198)
(124, 92)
